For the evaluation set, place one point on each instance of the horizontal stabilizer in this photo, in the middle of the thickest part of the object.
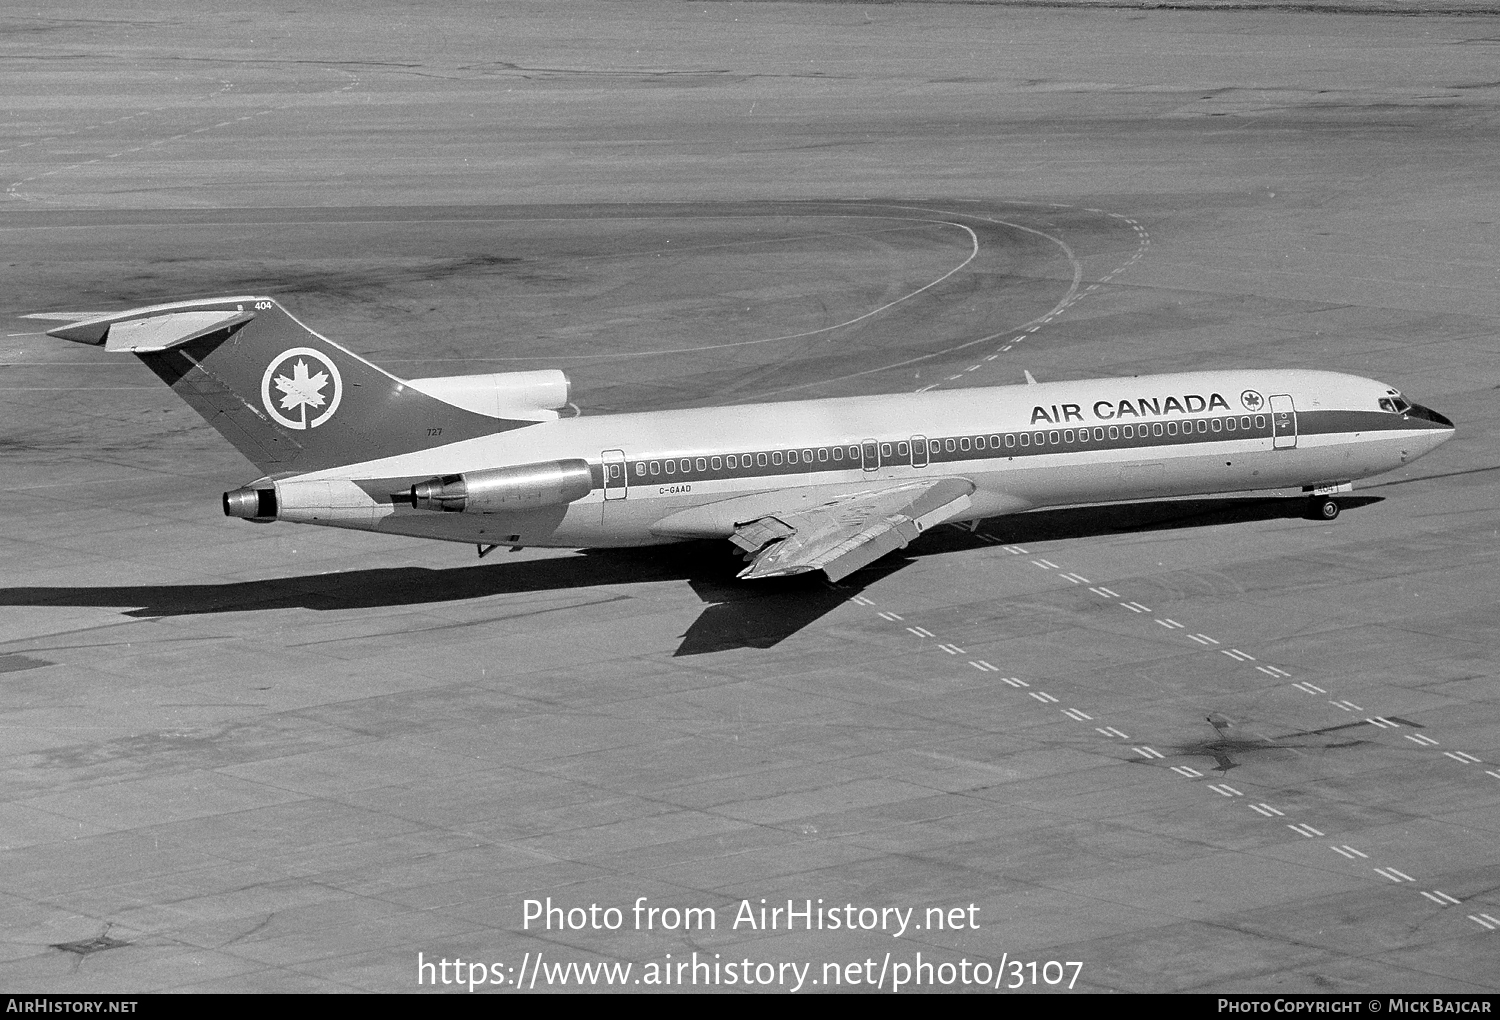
(66, 316)
(157, 328)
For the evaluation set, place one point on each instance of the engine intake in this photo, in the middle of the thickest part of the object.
(506, 490)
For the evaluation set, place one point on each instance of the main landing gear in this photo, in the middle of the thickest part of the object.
(1322, 508)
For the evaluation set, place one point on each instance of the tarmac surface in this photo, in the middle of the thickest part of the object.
(1192, 745)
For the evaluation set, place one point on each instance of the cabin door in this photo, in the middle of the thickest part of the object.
(1283, 421)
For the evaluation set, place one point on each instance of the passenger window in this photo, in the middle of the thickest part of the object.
(760, 460)
(823, 454)
(671, 467)
(1202, 425)
(1216, 425)
(949, 445)
(1229, 424)
(935, 447)
(1099, 435)
(903, 450)
(731, 462)
(1129, 431)
(776, 458)
(656, 467)
(963, 444)
(885, 451)
(1260, 421)
(1010, 439)
(1039, 438)
(1114, 432)
(716, 463)
(838, 453)
(640, 468)
(1067, 435)
(1245, 422)
(791, 456)
(1156, 428)
(1025, 439)
(1083, 435)
(1171, 428)
(702, 464)
(1053, 437)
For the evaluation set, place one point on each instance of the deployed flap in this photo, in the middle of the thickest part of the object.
(841, 536)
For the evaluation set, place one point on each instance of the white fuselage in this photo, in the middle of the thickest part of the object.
(669, 475)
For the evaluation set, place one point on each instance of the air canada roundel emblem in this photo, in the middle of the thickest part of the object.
(301, 388)
(1251, 400)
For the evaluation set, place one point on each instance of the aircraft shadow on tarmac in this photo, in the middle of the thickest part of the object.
(738, 614)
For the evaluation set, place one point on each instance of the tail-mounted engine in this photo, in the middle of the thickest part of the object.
(506, 490)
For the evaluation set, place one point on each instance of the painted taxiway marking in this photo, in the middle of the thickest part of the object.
(1304, 829)
(1421, 738)
(891, 617)
(952, 649)
(1015, 550)
(1074, 578)
(921, 632)
(1492, 772)
(860, 600)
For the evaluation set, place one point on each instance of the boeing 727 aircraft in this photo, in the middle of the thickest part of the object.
(800, 486)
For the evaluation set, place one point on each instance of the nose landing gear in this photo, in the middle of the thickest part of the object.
(1322, 508)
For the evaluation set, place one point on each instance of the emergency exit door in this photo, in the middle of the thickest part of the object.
(616, 478)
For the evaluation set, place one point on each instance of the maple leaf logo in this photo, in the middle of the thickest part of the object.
(301, 390)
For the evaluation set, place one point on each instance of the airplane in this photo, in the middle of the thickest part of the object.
(798, 486)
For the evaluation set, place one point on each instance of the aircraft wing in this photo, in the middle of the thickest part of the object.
(846, 533)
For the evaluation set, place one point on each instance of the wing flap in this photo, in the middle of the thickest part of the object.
(846, 534)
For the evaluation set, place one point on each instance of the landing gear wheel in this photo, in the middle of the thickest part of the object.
(1323, 508)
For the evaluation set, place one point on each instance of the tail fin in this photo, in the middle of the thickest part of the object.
(290, 400)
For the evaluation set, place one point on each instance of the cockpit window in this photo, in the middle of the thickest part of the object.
(1396, 404)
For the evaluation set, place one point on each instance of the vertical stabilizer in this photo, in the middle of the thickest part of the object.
(288, 399)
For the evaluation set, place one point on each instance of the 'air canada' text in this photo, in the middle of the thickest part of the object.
(1104, 410)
